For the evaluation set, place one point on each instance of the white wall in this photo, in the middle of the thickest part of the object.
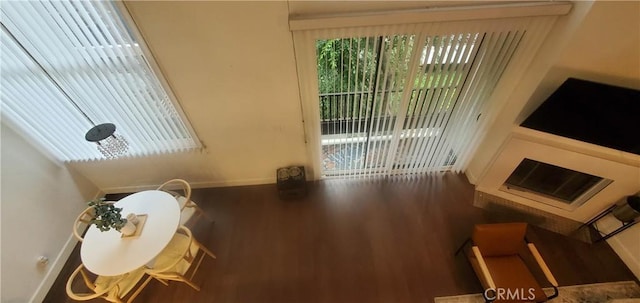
(539, 147)
(604, 48)
(39, 200)
(232, 67)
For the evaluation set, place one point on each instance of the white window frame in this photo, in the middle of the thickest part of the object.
(307, 29)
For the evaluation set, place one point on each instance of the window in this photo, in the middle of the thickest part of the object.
(70, 65)
(404, 91)
(410, 92)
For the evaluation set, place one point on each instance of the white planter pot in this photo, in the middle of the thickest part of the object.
(128, 229)
(132, 218)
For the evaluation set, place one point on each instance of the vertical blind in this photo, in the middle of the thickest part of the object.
(409, 98)
(70, 65)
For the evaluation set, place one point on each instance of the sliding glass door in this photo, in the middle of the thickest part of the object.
(361, 81)
(408, 98)
(397, 104)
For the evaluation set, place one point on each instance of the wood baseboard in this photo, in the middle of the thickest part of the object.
(203, 184)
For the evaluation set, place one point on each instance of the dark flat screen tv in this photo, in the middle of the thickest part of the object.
(592, 112)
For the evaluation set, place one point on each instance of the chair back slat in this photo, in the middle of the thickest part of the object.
(499, 239)
(110, 290)
(181, 184)
(84, 218)
(183, 253)
(87, 280)
(174, 270)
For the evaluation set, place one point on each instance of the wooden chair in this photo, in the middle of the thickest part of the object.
(82, 221)
(179, 261)
(188, 208)
(112, 289)
(497, 259)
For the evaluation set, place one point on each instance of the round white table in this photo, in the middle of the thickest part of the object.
(108, 254)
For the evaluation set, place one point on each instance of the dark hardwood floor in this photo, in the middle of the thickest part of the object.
(352, 241)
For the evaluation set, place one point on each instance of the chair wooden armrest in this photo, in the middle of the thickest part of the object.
(483, 267)
(542, 264)
(182, 253)
(184, 186)
(84, 220)
(89, 284)
(187, 207)
(178, 258)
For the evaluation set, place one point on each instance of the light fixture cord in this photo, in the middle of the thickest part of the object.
(4, 28)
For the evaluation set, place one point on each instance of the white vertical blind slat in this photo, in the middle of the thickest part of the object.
(476, 93)
(178, 129)
(425, 101)
(496, 53)
(397, 72)
(106, 88)
(108, 92)
(41, 38)
(376, 135)
(136, 112)
(157, 81)
(460, 104)
(442, 112)
(399, 136)
(536, 29)
(356, 103)
(433, 98)
(27, 89)
(398, 142)
(442, 151)
(352, 99)
(375, 112)
(86, 51)
(342, 109)
(468, 131)
(365, 109)
(423, 115)
(440, 61)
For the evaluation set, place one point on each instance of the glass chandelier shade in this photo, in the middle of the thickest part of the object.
(110, 145)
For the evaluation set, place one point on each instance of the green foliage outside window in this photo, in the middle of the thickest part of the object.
(352, 70)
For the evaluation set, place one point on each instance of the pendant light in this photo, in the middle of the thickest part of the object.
(109, 145)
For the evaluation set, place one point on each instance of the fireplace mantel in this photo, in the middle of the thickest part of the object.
(576, 146)
(621, 167)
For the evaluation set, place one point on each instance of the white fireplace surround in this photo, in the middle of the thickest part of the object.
(621, 167)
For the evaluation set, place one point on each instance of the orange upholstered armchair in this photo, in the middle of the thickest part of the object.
(495, 257)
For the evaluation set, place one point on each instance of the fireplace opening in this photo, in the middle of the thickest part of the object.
(553, 185)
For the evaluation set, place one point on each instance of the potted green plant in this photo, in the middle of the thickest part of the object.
(106, 215)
